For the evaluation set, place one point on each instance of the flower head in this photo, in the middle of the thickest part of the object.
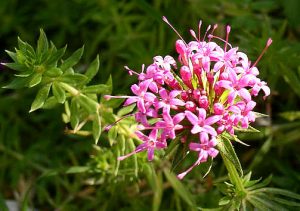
(208, 92)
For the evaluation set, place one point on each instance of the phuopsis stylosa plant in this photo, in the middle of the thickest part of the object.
(196, 104)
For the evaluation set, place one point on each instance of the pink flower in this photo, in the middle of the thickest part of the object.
(150, 144)
(169, 124)
(201, 123)
(204, 150)
(169, 100)
(211, 95)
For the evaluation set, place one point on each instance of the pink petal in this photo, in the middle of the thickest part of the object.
(195, 146)
(130, 100)
(174, 93)
(191, 117)
(202, 114)
(210, 130)
(150, 97)
(141, 106)
(204, 137)
(244, 93)
(153, 134)
(150, 153)
(178, 118)
(196, 129)
(163, 93)
(213, 152)
(213, 119)
(177, 102)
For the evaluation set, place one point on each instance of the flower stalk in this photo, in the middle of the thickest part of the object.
(234, 177)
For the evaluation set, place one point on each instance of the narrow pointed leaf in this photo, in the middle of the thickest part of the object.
(40, 98)
(17, 83)
(96, 89)
(35, 80)
(42, 44)
(53, 72)
(56, 56)
(15, 66)
(58, 92)
(93, 69)
(72, 60)
(74, 119)
(73, 79)
(179, 188)
(227, 149)
(96, 127)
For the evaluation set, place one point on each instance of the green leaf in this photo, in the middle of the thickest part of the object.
(250, 129)
(96, 89)
(35, 80)
(40, 98)
(96, 127)
(279, 191)
(42, 44)
(263, 200)
(88, 104)
(17, 83)
(12, 55)
(72, 60)
(50, 103)
(179, 188)
(93, 69)
(227, 149)
(26, 48)
(77, 169)
(53, 72)
(126, 110)
(58, 92)
(225, 200)
(262, 184)
(15, 66)
(56, 56)
(73, 79)
(74, 119)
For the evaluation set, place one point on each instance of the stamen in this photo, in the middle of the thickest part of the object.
(199, 29)
(108, 127)
(208, 28)
(194, 35)
(212, 32)
(269, 42)
(130, 71)
(228, 28)
(210, 36)
(166, 20)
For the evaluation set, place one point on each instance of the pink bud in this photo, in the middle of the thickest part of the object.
(180, 47)
(218, 108)
(203, 102)
(189, 105)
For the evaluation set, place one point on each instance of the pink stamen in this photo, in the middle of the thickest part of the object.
(199, 29)
(167, 22)
(210, 36)
(208, 28)
(214, 28)
(228, 28)
(108, 127)
(269, 42)
(194, 35)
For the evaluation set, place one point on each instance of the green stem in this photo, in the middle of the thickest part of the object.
(73, 91)
(234, 177)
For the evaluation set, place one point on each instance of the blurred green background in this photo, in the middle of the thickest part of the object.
(131, 33)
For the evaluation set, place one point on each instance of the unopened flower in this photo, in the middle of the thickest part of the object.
(208, 92)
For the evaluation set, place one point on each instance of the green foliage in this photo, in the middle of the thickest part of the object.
(35, 152)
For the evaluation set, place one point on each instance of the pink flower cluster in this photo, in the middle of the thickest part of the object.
(207, 93)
